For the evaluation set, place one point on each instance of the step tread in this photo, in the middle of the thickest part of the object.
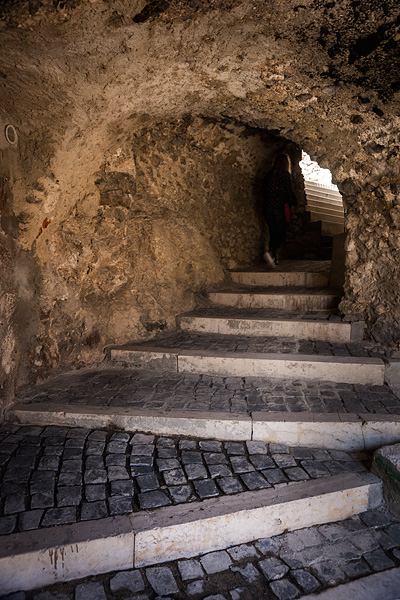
(207, 343)
(164, 391)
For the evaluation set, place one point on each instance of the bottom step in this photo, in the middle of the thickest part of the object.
(34, 559)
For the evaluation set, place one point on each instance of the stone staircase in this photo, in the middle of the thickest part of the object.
(245, 420)
(264, 324)
(325, 204)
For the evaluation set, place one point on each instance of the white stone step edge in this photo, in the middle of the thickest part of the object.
(334, 431)
(275, 278)
(324, 201)
(292, 328)
(314, 198)
(34, 559)
(298, 301)
(323, 210)
(340, 369)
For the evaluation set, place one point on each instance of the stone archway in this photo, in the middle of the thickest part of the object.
(84, 82)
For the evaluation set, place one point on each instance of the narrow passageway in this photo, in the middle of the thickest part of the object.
(180, 419)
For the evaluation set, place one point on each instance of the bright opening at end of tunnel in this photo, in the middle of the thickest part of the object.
(313, 172)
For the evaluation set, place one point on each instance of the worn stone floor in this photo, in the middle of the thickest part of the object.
(57, 475)
(283, 567)
(117, 387)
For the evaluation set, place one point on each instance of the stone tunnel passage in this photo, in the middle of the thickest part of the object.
(139, 132)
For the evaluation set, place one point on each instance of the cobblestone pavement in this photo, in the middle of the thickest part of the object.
(210, 342)
(232, 312)
(278, 568)
(58, 475)
(177, 391)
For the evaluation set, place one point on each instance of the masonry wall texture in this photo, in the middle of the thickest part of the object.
(144, 128)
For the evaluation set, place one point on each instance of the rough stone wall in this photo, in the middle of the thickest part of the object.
(169, 206)
(76, 80)
(168, 209)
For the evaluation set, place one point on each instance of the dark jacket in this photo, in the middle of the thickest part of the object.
(277, 191)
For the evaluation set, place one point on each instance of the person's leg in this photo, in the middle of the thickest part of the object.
(273, 228)
(280, 229)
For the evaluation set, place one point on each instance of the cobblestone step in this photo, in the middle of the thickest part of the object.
(313, 413)
(62, 549)
(300, 328)
(278, 278)
(281, 298)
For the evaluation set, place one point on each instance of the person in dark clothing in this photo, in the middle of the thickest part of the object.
(277, 191)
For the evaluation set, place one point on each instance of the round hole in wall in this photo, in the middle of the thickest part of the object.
(11, 134)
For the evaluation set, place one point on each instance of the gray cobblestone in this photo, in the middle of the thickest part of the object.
(190, 569)
(93, 510)
(248, 572)
(7, 524)
(197, 471)
(307, 582)
(162, 580)
(59, 516)
(174, 477)
(70, 496)
(378, 560)
(93, 590)
(153, 500)
(147, 483)
(273, 568)
(242, 552)
(30, 519)
(181, 493)
(216, 562)
(284, 589)
(254, 481)
(95, 492)
(329, 573)
(205, 488)
(127, 580)
(118, 505)
(230, 485)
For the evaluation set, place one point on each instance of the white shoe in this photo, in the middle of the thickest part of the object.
(269, 258)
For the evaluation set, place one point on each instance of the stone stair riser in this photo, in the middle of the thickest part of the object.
(280, 301)
(310, 280)
(288, 366)
(34, 559)
(325, 331)
(347, 431)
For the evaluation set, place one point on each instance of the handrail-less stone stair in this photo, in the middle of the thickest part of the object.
(218, 348)
(325, 204)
